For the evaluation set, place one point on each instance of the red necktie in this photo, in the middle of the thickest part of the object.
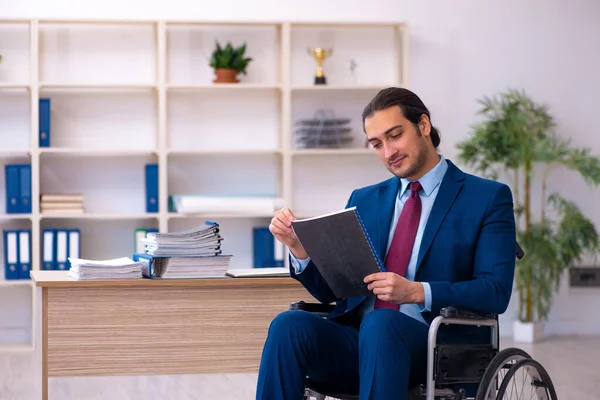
(404, 239)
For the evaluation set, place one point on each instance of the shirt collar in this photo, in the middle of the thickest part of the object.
(430, 180)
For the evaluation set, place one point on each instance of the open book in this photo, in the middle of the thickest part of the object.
(341, 249)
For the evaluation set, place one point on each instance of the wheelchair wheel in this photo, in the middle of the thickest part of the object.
(527, 379)
(496, 372)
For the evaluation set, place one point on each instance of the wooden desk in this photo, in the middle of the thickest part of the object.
(147, 327)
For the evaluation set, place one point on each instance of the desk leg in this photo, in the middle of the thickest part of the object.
(41, 339)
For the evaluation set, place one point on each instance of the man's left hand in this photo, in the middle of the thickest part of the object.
(391, 287)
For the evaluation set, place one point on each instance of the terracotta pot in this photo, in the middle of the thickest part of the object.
(225, 75)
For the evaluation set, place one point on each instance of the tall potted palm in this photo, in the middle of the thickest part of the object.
(515, 136)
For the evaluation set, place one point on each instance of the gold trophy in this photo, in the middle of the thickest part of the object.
(320, 54)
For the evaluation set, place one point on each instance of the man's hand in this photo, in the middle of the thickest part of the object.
(281, 228)
(391, 287)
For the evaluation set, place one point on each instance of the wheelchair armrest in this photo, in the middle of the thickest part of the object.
(312, 307)
(462, 313)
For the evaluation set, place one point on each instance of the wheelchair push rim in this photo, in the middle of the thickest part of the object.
(527, 379)
(497, 371)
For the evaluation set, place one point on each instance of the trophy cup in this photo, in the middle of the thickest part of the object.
(320, 54)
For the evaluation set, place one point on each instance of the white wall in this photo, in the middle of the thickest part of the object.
(459, 51)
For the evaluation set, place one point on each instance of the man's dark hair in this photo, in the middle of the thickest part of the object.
(410, 104)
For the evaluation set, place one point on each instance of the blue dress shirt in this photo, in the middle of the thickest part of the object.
(431, 183)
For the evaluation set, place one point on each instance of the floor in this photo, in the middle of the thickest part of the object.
(571, 361)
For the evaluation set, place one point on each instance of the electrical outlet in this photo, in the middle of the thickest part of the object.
(585, 277)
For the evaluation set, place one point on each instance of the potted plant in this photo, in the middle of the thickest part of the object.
(515, 136)
(228, 62)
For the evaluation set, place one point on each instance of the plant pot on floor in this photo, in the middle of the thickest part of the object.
(225, 75)
(528, 332)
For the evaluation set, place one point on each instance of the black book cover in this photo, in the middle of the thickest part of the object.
(341, 249)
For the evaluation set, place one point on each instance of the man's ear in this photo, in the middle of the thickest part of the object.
(425, 125)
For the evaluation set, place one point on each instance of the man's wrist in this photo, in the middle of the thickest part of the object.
(299, 253)
(418, 293)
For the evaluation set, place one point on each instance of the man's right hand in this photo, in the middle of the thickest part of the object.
(281, 228)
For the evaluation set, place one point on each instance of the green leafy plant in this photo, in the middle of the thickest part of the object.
(515, 138)
(230, 57)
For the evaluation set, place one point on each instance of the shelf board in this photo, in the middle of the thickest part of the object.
(15, 282)
(16, 347)
(99, 216)
(192, 152)
(95, 86)
(15, 153)
(222, 86)
(303, 88)
(322, 152)
(95, 152)
(209, 216)
(9, 217)
(345, 24)
(10, 85)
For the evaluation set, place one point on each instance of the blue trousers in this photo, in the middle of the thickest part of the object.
(379, 361)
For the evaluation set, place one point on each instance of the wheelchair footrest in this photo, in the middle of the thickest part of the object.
(462, 363)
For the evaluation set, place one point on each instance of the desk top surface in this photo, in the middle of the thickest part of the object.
(61, 279)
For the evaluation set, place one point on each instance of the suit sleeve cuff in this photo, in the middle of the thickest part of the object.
(298, 265)
(427, 291)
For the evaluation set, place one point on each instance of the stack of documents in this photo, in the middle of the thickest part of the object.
(183, 267)
(118, 268)
(57, 203)
(251, 205)
(204, 240)
(190, 254)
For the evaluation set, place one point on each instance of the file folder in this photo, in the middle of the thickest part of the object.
(49, 250)
(151, 188)
(267, 251)
(24, 254)
(44, 122)
(25, 188)
(62, 250)
(140, 233)
(73, 244)
(13, 190)
(11, 254)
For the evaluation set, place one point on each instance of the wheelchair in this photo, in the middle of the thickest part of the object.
(454, 369)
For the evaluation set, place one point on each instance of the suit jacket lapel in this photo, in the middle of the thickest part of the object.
(386, 204)
(449, 189)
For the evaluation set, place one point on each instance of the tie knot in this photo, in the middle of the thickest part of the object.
(415, 187)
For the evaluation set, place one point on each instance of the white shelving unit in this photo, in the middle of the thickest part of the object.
(127, 93)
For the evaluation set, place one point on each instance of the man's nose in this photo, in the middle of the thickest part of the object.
(388, 151)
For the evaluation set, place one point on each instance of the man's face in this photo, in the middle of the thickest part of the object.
(399, 144)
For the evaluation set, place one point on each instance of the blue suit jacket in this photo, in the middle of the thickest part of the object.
(468, 248)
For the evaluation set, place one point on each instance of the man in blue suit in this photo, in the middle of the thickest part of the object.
(448, 238)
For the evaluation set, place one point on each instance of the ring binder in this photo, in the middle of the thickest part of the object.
(341, 248)
(368, 237)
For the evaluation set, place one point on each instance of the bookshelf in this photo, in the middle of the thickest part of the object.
(127, 93)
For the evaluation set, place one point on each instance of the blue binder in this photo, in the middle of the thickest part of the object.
(49, 250)
(11, 254)
(264, 249)
(13, 190)
(25, 188)
(151, 188)
(24, 253)
(44, 122)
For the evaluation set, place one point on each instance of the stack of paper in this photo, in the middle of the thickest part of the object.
(204, 240)
(192, 204)
(57, 203)
(184, 267)
(190, 254)
(118, 268)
